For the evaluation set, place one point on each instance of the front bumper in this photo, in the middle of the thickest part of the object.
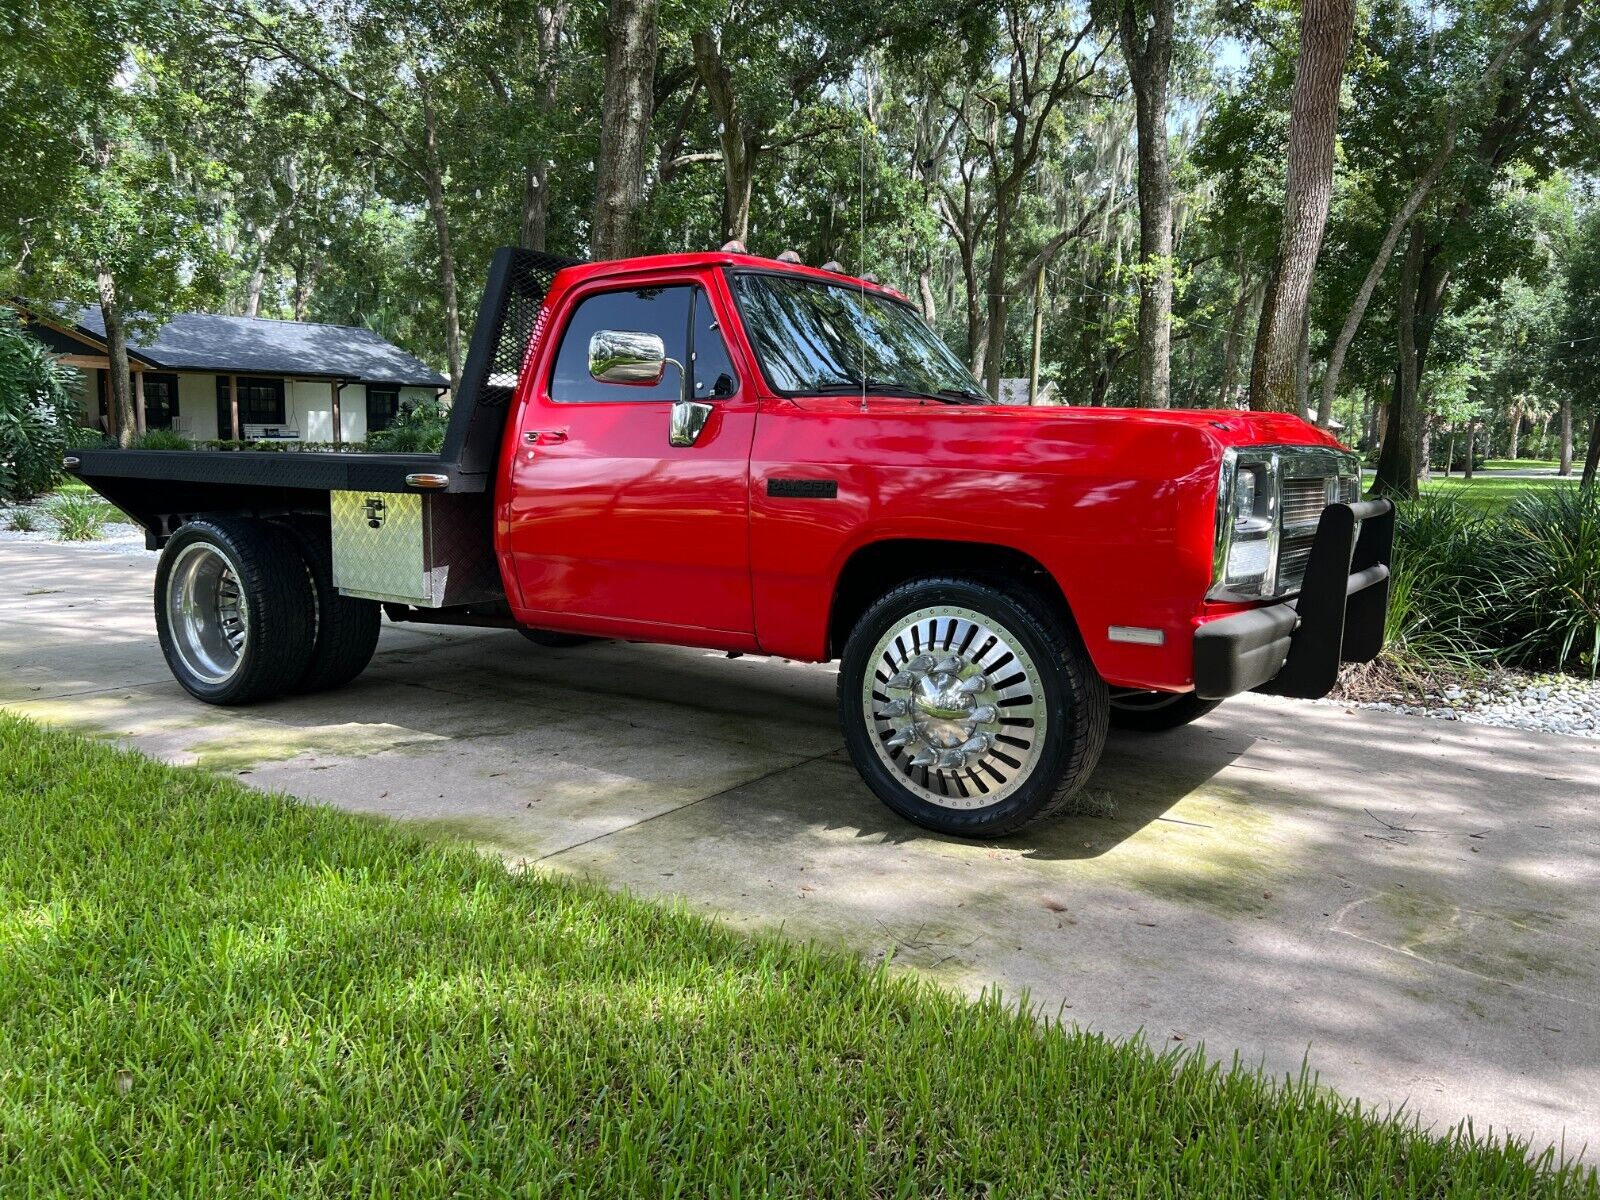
(1295, 648)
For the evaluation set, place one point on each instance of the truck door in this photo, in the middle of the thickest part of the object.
(610, 526)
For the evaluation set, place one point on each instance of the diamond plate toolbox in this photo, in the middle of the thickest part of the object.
(429, 550)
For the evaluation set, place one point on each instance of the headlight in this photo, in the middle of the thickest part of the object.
(1247, 526)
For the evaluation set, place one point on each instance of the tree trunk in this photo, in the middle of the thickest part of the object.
(552, 20)
(433, 181)
(1450, 453)
(1472, 439)
(1235, 335)
(930, 310)
(1426, 471)
(258, 274)
(1566, 439)
(1302, 366)
(738, 149)
(626, 106)
(995, 325)
(1325, 29)
(1516, 431)
(1397, 465)
(1591, 460)
(117, 355)
(1145, 30)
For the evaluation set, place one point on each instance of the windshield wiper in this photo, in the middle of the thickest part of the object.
(957, 395)
(883, 387)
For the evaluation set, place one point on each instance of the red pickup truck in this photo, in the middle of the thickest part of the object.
(728, 451)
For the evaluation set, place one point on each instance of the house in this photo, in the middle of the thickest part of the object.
(1015, 391)
(208, 376)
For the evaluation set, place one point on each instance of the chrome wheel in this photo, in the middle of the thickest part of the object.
(954, 704)
(206, 613)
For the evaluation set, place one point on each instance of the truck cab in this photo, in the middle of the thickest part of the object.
(732, 452)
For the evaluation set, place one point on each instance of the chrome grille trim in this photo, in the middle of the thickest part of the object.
(1307, 479)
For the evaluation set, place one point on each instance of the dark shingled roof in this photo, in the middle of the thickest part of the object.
(258, 346)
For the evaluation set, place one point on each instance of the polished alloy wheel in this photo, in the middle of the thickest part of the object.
(955, 708)
(206, 613)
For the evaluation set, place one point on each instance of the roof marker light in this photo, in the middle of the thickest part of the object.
(788, 256)
(872, 279)
(833, 265)
(734, 246)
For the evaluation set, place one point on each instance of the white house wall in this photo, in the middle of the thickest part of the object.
(308, 407)
(197, 408)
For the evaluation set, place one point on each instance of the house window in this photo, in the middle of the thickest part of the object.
(383, 403)
(260, 403)
(160, 400)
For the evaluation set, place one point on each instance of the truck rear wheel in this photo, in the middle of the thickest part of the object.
(234, 610)
(1155, 712)
(347, 628)
(970, 707)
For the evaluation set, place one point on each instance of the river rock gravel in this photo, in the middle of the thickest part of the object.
(1539, 703)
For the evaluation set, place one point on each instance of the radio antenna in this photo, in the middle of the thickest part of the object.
(861, 261)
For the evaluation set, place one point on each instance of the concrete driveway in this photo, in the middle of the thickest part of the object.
(1406, 905)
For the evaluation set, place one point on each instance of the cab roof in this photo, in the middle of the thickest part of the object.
(723, 258)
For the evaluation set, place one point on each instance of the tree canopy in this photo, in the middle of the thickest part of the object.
(1110, 175)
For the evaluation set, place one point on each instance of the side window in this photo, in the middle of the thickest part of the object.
(714, 376)
(663, 311)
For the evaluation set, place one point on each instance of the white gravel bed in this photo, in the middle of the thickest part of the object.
(115, 537)
(1538, 703)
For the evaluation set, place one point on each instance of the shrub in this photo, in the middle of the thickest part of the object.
(418, 428)
(1439, 600)
(80, 517)
(81, 437)
(1514, 587)
(161, 439)
(1549, 575)
(22, 520)
(36, 412)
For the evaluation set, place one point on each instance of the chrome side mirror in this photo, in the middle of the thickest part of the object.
(627, 357)
(689, 417)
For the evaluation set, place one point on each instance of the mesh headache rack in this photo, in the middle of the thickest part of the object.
(508, 321)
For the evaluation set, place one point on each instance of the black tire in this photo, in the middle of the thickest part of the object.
(269, 609)
(1048, 657)
(553, 639)
(1156, 712)
(347, 628)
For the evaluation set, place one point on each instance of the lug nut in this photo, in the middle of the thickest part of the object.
(983, 714)
(924, 758)
(978, 683)
(897, 708)
(948, 666)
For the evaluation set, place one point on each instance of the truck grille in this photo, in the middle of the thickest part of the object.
(1300, 506)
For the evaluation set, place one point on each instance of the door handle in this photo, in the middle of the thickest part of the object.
(545, 437)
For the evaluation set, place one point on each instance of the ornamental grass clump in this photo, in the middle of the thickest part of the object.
(1548, 556)
(79, 517)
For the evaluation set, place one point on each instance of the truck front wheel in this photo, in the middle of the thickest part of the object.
(234, 610)
(970, 707)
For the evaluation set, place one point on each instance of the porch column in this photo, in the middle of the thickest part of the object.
(338, 433)
(233, 403)
(138, 402)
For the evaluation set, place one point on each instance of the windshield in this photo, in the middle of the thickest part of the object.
(815, 337)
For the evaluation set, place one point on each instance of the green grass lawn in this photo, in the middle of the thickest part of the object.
(207, 991)
(1491, 491)
(1521, 464)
